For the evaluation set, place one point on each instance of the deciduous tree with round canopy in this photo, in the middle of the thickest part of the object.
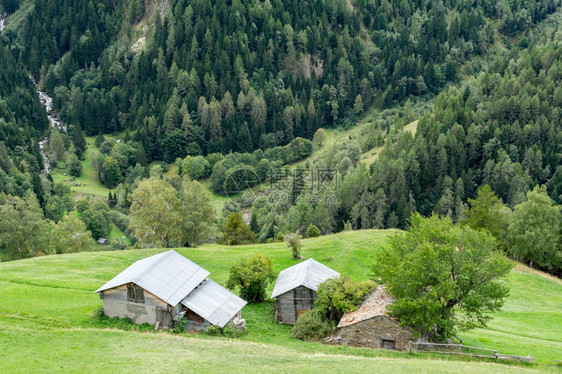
(319, 137)
(71, 235)
(533, 234)
(251, 275)
(198, 213)
(443, 277)
(156, 213)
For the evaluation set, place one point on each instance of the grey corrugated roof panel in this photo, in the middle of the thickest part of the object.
(214, 303)
(309, 273)
(132, 272)
(168, 276)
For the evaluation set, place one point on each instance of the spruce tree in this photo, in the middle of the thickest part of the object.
(244, 141)
(254, 226)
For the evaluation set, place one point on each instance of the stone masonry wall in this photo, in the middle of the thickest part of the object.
(371, 332)
(115, 304)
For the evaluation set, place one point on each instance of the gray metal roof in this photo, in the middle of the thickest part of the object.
(309, 273)
(214, 303)
(168, 276)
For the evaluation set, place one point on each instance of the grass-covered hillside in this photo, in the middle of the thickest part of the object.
(48, 319)
(88, 183)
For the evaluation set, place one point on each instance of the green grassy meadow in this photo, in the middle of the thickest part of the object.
(48, 319)
(87, 183)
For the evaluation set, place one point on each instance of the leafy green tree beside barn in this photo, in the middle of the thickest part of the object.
(444, 278)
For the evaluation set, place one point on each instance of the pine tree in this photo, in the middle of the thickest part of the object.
(141, 155)
(244, 140)
(446, 203)
(79, 143)
(358, 105)
(254, 224)
(460, 206)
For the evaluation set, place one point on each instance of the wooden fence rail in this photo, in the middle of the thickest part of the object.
(463, 350)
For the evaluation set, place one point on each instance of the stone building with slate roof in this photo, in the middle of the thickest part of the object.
(370, 326)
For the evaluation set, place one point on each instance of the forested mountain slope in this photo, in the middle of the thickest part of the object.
(500, 128)
(220, 86)
(22, 121)
(219, 77)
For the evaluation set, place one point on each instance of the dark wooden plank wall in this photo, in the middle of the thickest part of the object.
(293, 303)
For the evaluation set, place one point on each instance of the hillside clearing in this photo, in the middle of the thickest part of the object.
(412, 127)
(525, 269)
(88, 183)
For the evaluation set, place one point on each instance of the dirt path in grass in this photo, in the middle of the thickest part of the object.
(525, 269)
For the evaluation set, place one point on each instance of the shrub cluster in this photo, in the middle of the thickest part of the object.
(311, 326)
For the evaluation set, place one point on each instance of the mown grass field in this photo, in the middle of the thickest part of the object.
(48, 323)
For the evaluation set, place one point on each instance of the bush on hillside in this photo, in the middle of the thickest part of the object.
(294, 242)
(312, 327)
(312, 231)
(251, 276)
(338, 296)
(227, 331)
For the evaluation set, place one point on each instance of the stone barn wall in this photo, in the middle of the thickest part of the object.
(116, 304)
(371, 332)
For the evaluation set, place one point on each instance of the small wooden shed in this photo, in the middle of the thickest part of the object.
(103, 241)
(295, 289)
(370, 326)
(161, 289)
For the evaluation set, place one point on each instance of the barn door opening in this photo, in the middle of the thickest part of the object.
(304, 301)
(388, 343)
(163, 318)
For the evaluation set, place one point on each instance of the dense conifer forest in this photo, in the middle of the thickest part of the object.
(216, 76)
(22, 121)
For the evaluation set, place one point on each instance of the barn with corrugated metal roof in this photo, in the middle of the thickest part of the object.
(165, 288)
(295, 289)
